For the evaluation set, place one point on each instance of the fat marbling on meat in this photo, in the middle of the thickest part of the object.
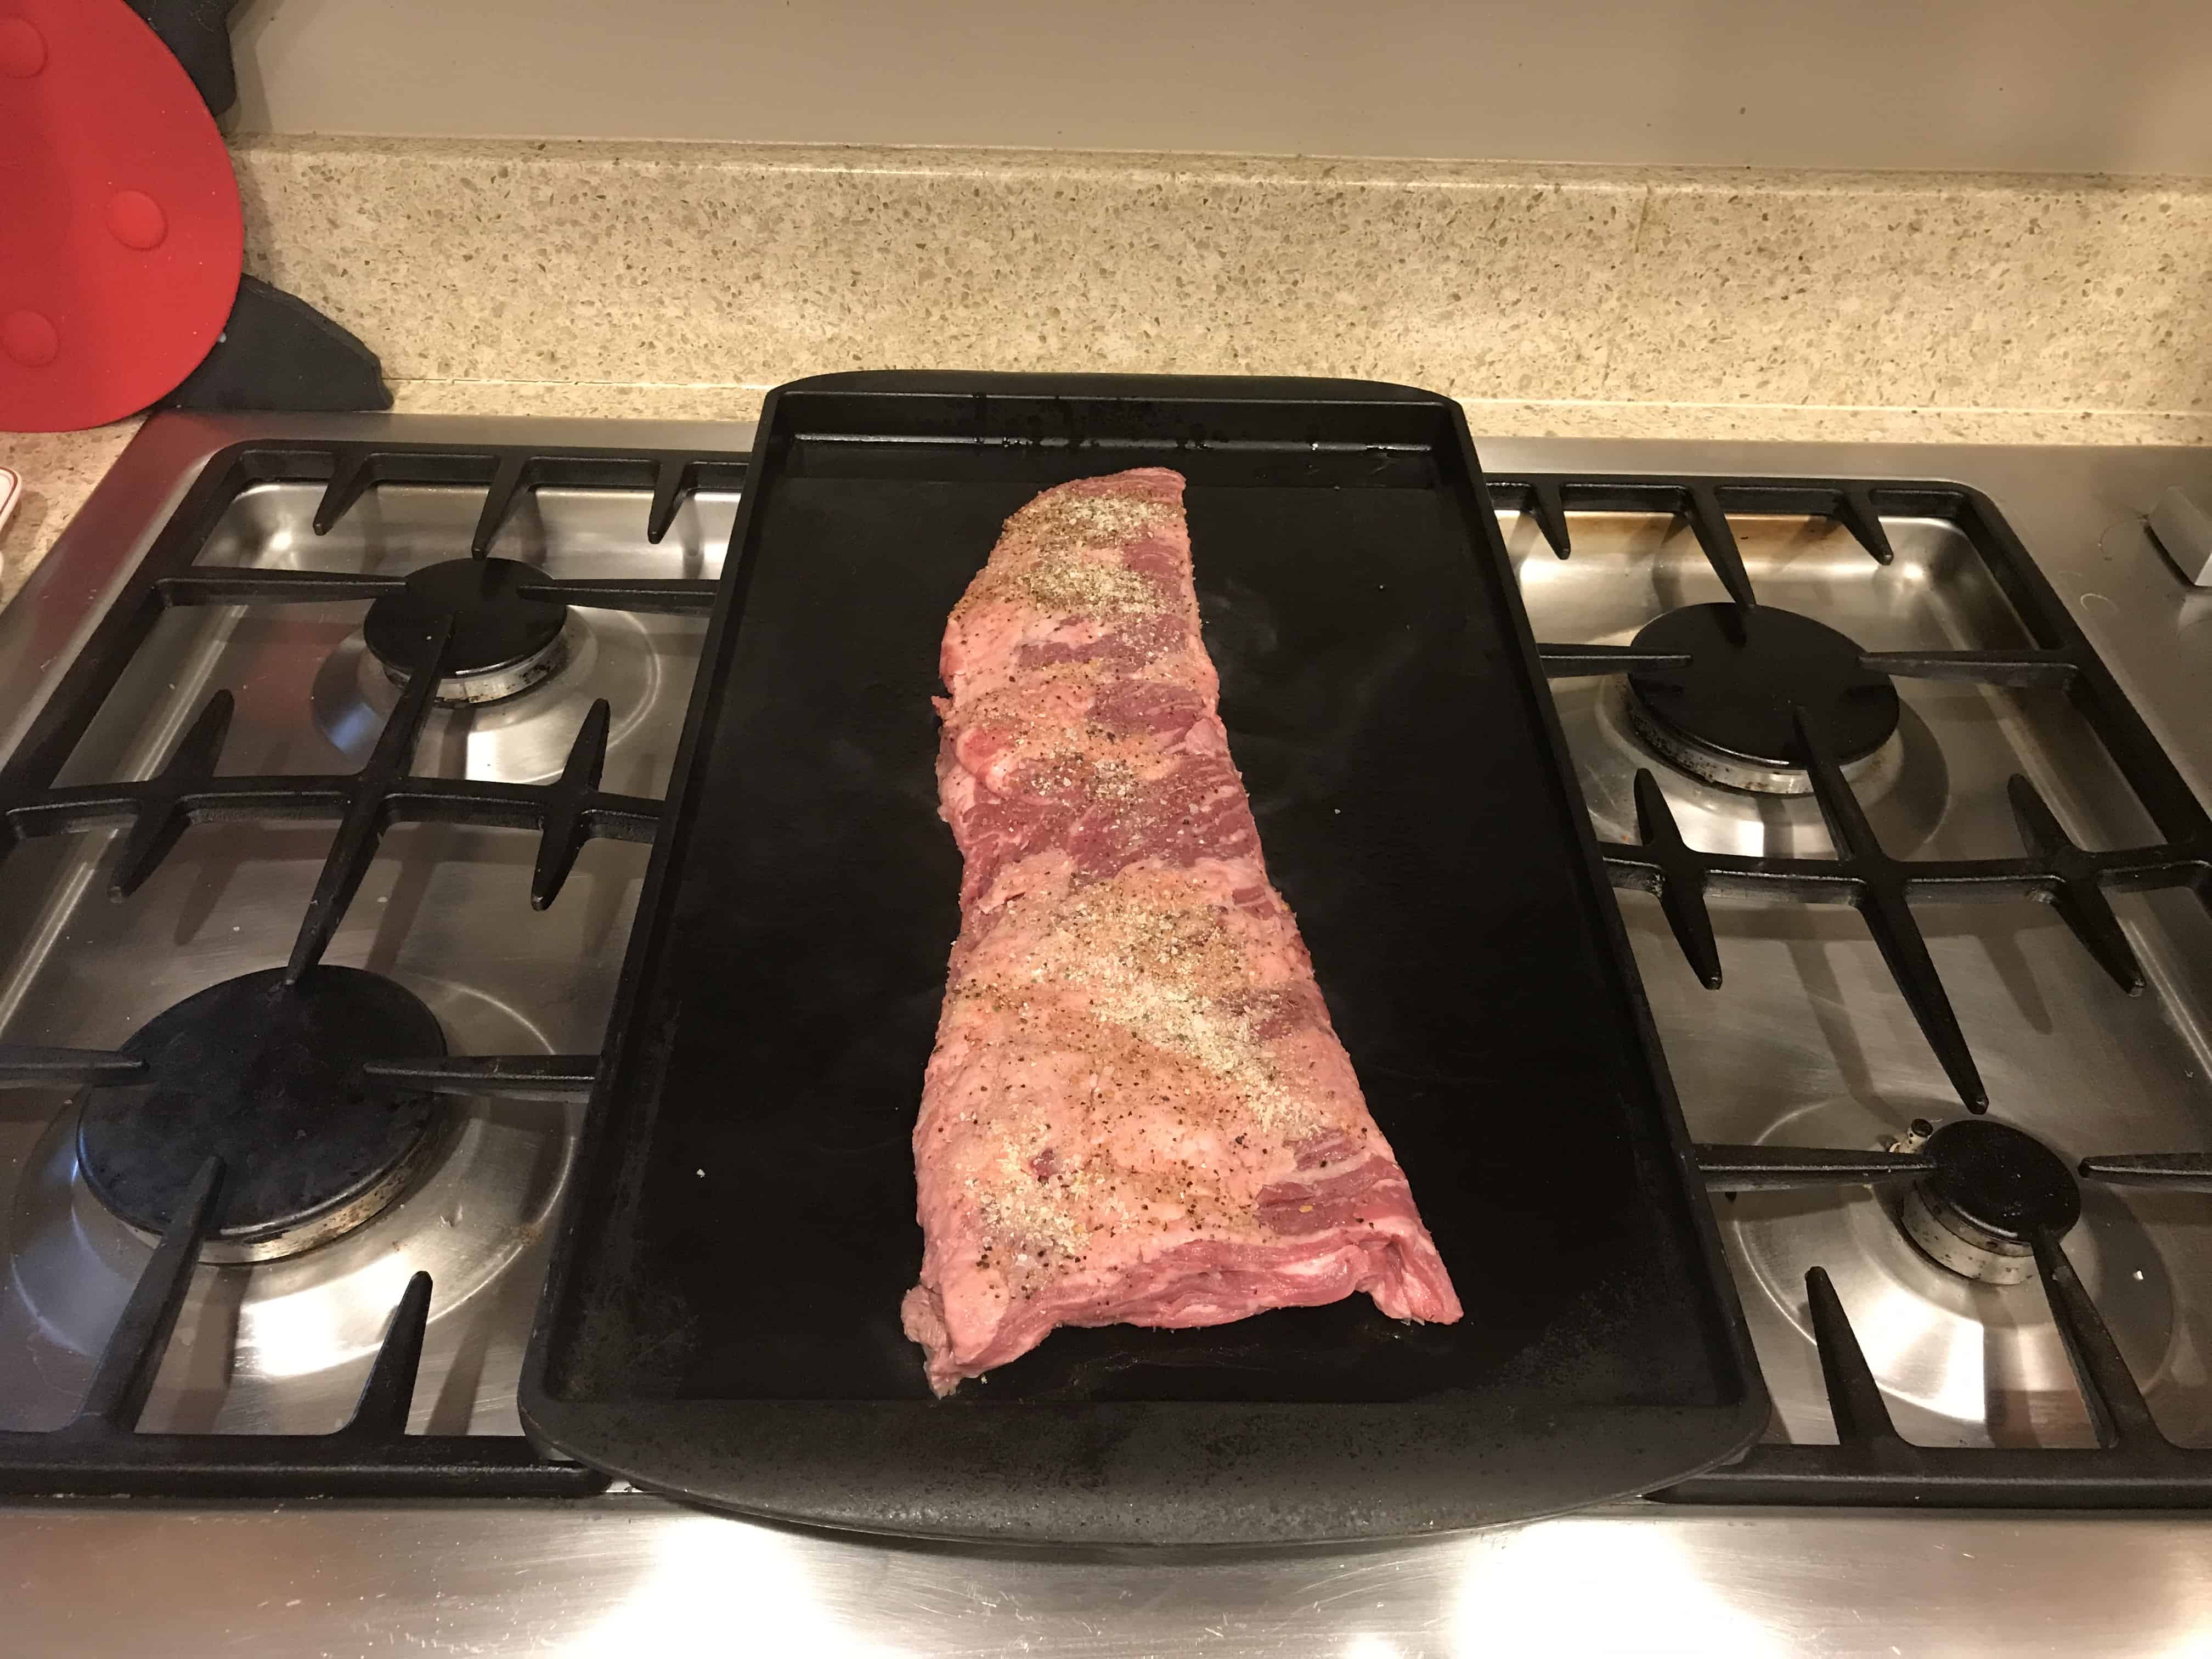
(1137, 1111)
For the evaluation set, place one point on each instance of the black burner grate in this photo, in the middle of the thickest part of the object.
(101, 1453)
(2134, 1465)
(102, 1450)
(2073, 880)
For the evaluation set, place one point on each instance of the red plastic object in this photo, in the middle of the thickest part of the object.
(120, 237)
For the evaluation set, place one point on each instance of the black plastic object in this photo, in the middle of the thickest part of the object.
(275, 350)
(264, 1077)
(722, 1321)
(2073, 880)
(279, 352)
(101, 1452)
(198, 34)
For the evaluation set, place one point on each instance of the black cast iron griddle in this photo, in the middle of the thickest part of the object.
(721, 1323)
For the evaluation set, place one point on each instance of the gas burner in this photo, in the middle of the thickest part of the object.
(1993, 1190)
(1725, 716)
(1906, 785)
(1963, 1361)
(609, 653)
(502, 645)
(266, 1077)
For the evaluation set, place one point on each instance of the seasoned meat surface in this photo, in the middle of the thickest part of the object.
(1137, 1111)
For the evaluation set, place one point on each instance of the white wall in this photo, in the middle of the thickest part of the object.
(2067, 85)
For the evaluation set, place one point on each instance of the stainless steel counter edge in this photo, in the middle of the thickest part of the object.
(635, 1575)
(630, 1573)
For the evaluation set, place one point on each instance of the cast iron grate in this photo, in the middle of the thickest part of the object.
(100, 1450)
(2075, 880)
(2134, 1465)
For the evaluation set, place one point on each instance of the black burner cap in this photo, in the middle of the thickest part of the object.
(494, 626)
(2001, 1179)
(265, 1077)
(1747, 667)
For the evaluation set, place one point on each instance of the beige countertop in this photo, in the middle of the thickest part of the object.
(58, 470)
(746, 266)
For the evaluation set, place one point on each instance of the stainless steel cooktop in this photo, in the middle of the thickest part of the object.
(286, 1347)
(1807, 1043)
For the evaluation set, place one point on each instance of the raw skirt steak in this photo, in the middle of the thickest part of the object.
(1137, 1112)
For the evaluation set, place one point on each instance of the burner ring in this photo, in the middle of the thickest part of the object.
(266, 1078)
(1725, 715)
(1994, 1188)
(502, 642)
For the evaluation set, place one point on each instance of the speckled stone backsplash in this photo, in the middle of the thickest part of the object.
(706, 266)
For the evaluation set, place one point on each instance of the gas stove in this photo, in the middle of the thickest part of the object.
(388, 708)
